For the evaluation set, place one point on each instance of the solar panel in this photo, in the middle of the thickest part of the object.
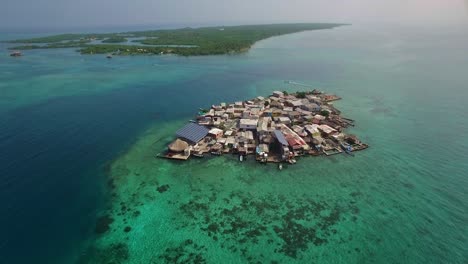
(192, 132)
(280, 137)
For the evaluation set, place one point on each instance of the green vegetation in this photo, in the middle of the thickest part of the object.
(54, 45)
(115, 39)
(301, 95)
(324, 113)
(51, 39)
(202, 41)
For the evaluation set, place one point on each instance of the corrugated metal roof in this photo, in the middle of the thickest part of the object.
(279, 135)
(192, 132)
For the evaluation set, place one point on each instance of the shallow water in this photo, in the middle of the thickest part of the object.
(79, 134)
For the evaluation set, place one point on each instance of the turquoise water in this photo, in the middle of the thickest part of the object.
(78, 135)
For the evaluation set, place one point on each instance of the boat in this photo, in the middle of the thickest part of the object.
(241, 158)
(16, 54)
(198, 154)
(216, 153)
(346, 147)
(109, 56)
(280, 166)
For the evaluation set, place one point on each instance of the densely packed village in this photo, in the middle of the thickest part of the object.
(278, 129)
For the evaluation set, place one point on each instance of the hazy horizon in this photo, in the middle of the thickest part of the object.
(55, 14)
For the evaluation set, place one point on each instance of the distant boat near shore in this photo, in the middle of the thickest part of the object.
(16, 54)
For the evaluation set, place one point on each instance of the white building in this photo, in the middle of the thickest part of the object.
(250, 124)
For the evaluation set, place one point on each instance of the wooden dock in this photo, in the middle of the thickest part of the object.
(173, 156)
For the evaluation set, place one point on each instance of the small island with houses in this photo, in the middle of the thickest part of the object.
(279, 128)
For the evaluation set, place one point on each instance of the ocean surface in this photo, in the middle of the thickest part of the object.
(79, 182)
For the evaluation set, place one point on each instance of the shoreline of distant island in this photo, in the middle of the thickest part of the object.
(184, 41)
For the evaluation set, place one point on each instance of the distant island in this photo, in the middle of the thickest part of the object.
(184, 41)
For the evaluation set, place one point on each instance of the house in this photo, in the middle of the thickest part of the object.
(299, 130)
(312, 107)
(283, 120)
(217, 121)
(192, 133)
(288, 109)
(264, 125)
(245, 136)
(304, 112)
(210, 113)
(275, 112)
(230, 142)
(249, 124)
(204, 120)
(267, 113)
(276, 104)
(294, 115)
(239, 104)
(294, 103)
(215, 133)
(319, 117)
(284, 145)
(313, 99)
(278, 94)
(313, 130)
(326, 129)
(219, 113)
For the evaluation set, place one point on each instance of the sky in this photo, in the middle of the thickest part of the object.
(88, 13)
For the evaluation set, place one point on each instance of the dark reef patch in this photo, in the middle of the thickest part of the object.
(114, 253)
(163, 188)
(103, 224)
(294, 223)
(187, 252)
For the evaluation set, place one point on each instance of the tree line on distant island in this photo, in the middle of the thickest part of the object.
(185, 41)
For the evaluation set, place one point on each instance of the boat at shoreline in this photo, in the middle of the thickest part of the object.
(16, 53)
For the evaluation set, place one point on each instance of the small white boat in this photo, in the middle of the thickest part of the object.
(16, 54)
(280, 166)
(241, 158)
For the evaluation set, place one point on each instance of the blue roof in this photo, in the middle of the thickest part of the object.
(279, 135)
(192, 132)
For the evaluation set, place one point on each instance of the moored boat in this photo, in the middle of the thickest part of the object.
(16, 54)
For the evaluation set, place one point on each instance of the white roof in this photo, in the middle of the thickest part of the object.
(319, 117)
(295, 102)
(230, 140)
(284, 119)
(327, 129)
(215, 131)
(248, 122)
(312, 129)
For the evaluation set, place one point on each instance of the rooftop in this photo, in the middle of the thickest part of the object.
(192, 132)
